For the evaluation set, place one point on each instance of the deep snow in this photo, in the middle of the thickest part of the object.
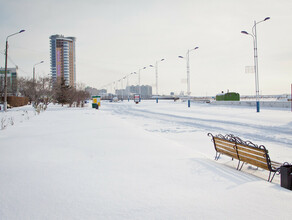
(145, 161)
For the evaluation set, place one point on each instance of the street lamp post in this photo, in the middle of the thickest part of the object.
(34, 70)
(156, 74)
(254, 36)
(188, 72)
(33, 77)
(140, 82)
(138, 79)
(127, 88)
(121, 90)
(123, 87)
(5, 76)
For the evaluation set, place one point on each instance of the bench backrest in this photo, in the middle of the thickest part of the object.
(253, 155)
(243, 151)
(225, 147)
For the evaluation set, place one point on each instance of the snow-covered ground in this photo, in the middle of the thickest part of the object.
(145, 161)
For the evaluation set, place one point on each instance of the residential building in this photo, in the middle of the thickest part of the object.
(146, 90)
(102, 91)
(121, 93)
(63, 64)
(12, 89)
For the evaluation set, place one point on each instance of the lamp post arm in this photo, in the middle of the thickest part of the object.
(11, 35)
(254, 28)
(14, 34)
(255, 23)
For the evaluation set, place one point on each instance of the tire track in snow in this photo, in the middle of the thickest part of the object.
(174, 122)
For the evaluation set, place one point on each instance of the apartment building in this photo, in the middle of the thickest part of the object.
(11, 81)
(63, 64)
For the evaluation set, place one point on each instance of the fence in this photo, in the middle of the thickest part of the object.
(15, 101)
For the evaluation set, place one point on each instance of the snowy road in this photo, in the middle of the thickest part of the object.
(273, 126)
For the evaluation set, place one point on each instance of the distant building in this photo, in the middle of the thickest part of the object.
(92, 91)
(132, 89)
(102, 91)
(146, 90)
(12, 89)
(121, 93)
(63, 59)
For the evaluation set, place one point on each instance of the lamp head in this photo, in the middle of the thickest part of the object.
(151, 65)
(196, 48)
(161, 59)
(180, 57)
(21, 31)
(267, 18)
(244, 32)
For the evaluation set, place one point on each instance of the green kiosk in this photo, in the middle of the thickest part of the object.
(95, 101)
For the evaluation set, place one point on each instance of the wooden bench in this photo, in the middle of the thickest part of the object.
(244, 152)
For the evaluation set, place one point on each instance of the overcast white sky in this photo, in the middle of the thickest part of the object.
(115, 38)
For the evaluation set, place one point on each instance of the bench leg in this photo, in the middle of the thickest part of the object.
(241, 165)
(269, 176)
(238, 165)
(270, 180)
(217, 156)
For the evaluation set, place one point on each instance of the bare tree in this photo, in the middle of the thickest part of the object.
(44, 91)
(25, 87)
(81, 95)
(38, 92)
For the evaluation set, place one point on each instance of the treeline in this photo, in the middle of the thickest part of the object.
(44, 91)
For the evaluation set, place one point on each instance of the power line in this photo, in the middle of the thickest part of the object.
(10, 59)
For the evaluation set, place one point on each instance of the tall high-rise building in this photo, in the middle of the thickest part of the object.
(63, 59)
